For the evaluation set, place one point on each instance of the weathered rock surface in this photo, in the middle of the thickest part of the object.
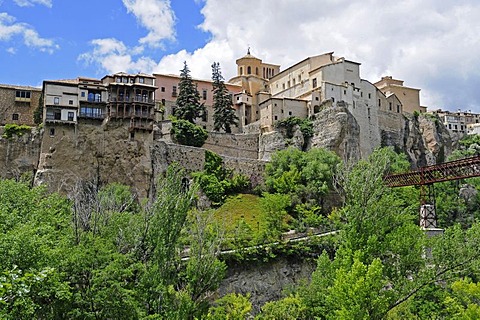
(96, 153)
(19, 154)
(265, 281)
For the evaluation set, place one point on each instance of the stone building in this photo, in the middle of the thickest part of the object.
(462, 122)
(18, 104)
(409, 97)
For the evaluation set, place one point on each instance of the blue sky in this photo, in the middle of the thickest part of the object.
(430, 44)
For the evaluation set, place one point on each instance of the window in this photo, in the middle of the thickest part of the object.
(390, 106)
(174, 91)
(398, 108)
(70, 102)
(256, 71)
(249, 70)
(379, 103)
(361, 94)
(52, 132)
(276, 117)
(56, 100)
(70, 116)
(283, 86)
(289, 113)
(299, 78)
(22, 94)
(369, 96)
(141, 80)
(15, 116)
(344, 91)
(317, 98)
(163, 101)
(204, 94)
(241, 70)
(163, 89)
(288, 83)
(314, 82)
(333, 99)
(82, 94)
(132, 135)
(118, 79)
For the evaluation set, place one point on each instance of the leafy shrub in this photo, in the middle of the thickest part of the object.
(15, 129)
(187, 133)
(305, 126)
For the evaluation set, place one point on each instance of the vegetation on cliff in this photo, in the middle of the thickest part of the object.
(101, 254)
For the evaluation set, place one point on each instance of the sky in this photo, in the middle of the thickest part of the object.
(432, 45)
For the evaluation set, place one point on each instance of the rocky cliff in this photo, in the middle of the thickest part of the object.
(19, 154)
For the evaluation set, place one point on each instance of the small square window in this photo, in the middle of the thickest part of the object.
(82, 94)
(163, 89)
(70, 102)
(56, 100)
(141, 80)
(276, 117)
(289, 113)
(15, 116)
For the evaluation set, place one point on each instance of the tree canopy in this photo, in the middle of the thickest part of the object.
(188, 106)
(224, 116)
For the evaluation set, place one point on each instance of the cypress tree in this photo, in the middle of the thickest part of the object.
(188, 100)
(224, 114)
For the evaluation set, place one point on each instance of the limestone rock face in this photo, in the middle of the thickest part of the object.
(100, 154)
(336, 129)
(427, 141)
(19, 154)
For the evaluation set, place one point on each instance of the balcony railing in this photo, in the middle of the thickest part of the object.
(95, 100)
(91, 115)
(133, 99)
(131, 114)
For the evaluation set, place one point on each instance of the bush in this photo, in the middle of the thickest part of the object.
(15, 129)
(188, 134)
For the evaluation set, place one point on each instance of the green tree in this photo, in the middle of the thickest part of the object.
(230, 307)
(288, 308)
(188, 101)
(188, 134)
(305, 176)
(224, 116)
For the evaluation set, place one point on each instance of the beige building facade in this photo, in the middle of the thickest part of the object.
(409, 97)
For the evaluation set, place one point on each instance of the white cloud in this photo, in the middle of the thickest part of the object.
(30, 3)
(9, 28)
(11, 50)
(432, 45)
(114, 56)
(156, 16)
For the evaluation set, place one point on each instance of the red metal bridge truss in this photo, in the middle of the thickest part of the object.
(425, 177)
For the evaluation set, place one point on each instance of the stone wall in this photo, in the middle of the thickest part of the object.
(233, 145)
(193, 159)
(9, 105)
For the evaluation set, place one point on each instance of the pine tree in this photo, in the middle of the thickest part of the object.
(224, 114)
(188, 101)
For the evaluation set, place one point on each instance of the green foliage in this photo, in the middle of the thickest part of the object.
(230, 307)
(188, 101)
(274, 207)
(15, 129)
(470, 146)
(217, 182)
(38, 113)
(464, 300)
(224, 116)
(305, 176)
(290, 123)
(187, 133)
(289, 308)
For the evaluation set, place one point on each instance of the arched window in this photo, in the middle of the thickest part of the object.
(249, 70)
(241, 70)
